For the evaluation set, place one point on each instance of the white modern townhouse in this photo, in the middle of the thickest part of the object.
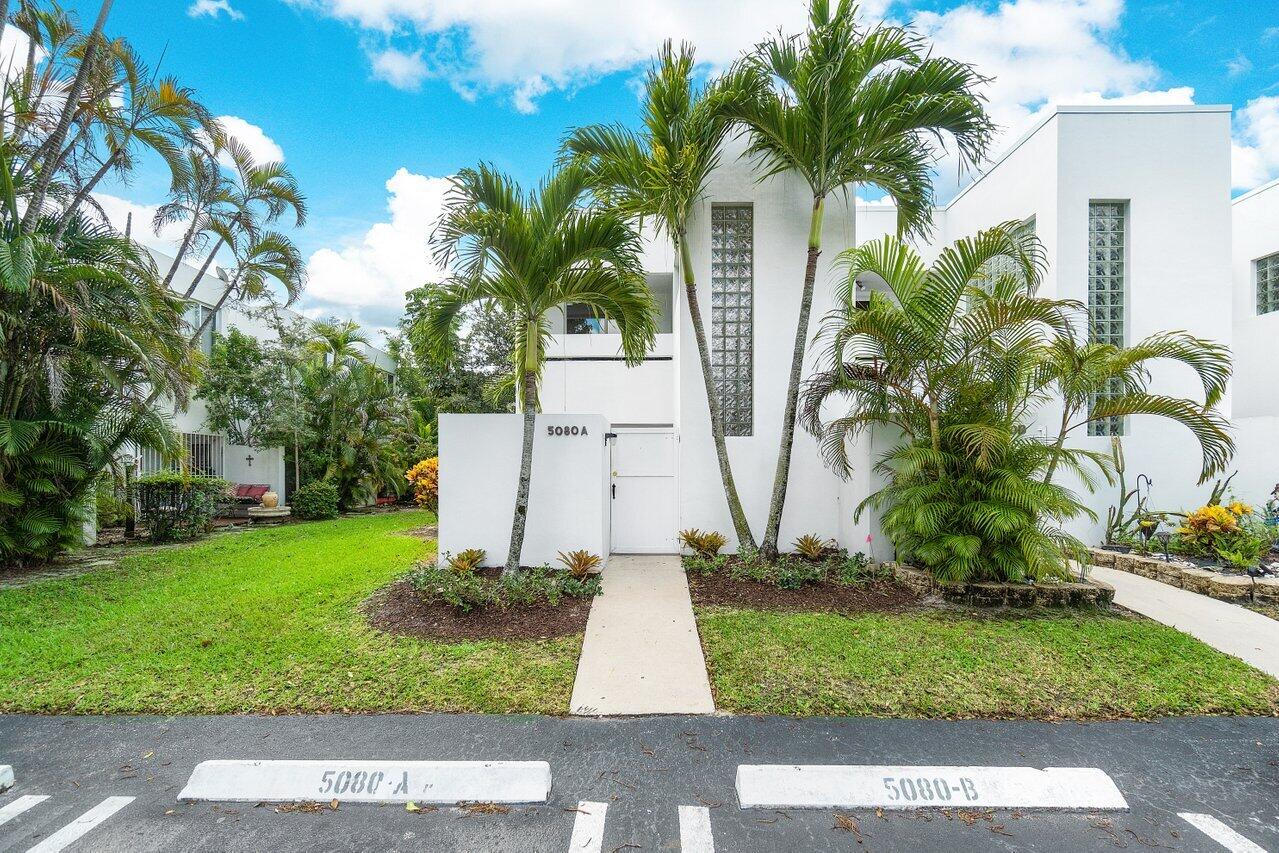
(210, 452)
(1133, 207)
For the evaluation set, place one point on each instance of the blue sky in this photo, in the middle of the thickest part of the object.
(373, 102)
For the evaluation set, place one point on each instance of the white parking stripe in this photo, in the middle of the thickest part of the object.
(6, 777)
(1220, 833)
(588, 828)
(79, 827)
(19, 806)
(695, 830)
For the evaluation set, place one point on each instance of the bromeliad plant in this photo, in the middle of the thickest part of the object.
(958, 358)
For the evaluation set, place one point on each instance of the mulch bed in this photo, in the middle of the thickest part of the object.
(398, 609)
(720, 590)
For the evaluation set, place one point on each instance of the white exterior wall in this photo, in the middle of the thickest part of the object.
(1255, 221)
(1171, 166)
(479, 475)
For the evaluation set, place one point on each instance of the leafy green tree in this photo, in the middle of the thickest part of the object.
(659, 174)
(842, 106)
(959, 362)
(239, 387)
(530, 253)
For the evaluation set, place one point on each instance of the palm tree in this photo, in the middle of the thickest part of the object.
(661, 173)
(960, 365)
(203, 191)
(1103, 382)
(260, 194)
(530, 253)
(161, 116)
(259, 261)
(843, 106)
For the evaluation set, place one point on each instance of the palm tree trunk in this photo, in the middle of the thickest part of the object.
(1059, 443)
(4, 16)
(520, 520)
(83, 193)
(740, 525)
(782, 477)
(181, 253)
(64, 120)
(204, 268)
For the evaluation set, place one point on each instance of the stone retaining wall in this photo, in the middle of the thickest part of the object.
(1089, 594)
(1203, 581)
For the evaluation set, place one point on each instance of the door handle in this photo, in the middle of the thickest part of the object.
(615, 491)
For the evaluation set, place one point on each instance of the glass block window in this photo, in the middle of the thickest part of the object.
(732, 326)
(996, 268)
(1268, 284)
(1107, 234)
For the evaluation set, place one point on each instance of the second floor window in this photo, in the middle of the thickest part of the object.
(1267, 272)
(195, 316)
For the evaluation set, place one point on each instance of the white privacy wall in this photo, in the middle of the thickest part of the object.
(479, 471)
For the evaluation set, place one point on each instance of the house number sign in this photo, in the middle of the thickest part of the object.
(559, 431)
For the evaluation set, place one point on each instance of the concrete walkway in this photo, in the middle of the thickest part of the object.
(642, 654)
(1230, 628)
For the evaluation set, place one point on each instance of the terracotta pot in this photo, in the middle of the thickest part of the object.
(270, 500)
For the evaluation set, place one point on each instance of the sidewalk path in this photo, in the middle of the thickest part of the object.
(642, 654)
(1230, 628)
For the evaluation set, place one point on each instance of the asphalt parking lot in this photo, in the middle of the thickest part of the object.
(642, 784)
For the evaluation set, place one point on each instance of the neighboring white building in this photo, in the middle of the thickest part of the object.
(1255, 268)
(210, 452)
(1132, 205)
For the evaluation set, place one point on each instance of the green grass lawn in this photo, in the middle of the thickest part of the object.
(1064, 666)
(264, 620)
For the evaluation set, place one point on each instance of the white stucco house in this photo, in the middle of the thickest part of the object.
(208, 451)
(1132, 204)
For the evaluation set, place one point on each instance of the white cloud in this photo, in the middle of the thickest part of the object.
(402, 70)
(1238, 66)
(1040, 54)
(368, 278)
(263, 148)
(213, 8)
(1254, 156)
(529, 48)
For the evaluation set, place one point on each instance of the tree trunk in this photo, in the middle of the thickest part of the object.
(204, 268)
(4, 16)
(740, 524)
(83, 193)
(181, 253)
(520, 520)
(781, 479)
(64, 120)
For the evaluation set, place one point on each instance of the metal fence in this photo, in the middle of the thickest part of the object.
(203, 456)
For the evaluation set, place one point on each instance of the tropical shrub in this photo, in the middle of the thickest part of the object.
(958, 358)
(812, 547)
(315, 501)
(469, 591)
(176, 506)
(1228, 532)
(113, 505)
(702, 543)
(465, 562)
(580, 563)
(424, 477)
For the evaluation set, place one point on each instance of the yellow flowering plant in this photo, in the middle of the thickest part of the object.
(1225, 532)
(425, 478)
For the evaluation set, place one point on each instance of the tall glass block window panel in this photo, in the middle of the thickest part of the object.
(997, 268)
(732, 314)
(1268, 284)
(1107, 277)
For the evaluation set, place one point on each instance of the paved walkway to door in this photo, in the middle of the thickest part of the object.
(1230, 628)
(642, 654)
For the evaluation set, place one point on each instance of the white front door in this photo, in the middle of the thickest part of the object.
(645, 502)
